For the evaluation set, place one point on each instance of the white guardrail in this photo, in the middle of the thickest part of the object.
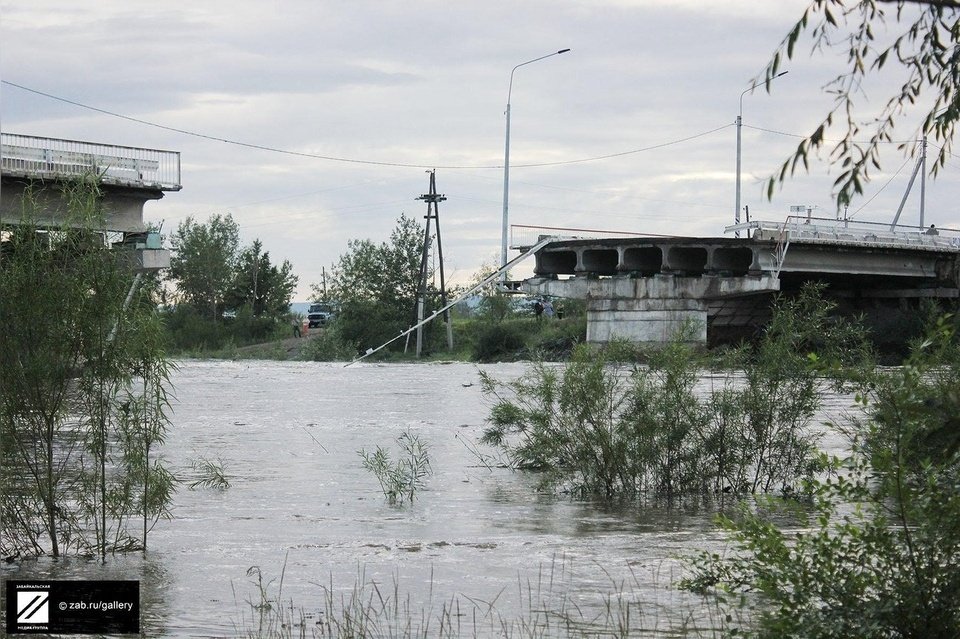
(30, 156)
(831, 231)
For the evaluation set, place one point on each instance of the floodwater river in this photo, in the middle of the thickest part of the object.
(301, 504)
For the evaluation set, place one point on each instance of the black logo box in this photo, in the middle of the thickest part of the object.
(79, 607)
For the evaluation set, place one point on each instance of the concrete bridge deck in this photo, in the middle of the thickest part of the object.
(645, 289)
(128, 176)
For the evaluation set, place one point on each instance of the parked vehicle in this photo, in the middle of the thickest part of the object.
(319, 314)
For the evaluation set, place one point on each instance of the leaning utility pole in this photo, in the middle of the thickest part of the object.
(433, 213)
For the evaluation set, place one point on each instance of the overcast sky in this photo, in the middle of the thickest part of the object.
(424, 84)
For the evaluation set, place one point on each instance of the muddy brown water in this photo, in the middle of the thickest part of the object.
(301, 503)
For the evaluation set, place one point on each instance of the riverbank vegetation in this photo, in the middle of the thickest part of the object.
(876, 550)
(866, 545)
(224, 303)
(83, 388)
(221, 295)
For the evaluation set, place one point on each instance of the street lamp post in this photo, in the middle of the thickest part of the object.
(736, 212)
(506, 164)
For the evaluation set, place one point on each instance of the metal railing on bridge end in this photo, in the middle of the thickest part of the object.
(29, 157)
(851, 232)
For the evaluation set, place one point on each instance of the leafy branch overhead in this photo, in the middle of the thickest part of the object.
(926, 49)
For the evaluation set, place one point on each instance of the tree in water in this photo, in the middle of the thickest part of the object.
(74, 362)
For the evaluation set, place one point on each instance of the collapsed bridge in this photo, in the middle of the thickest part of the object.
(645, 289)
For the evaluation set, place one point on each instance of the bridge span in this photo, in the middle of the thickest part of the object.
(645, 288)
(127, 178)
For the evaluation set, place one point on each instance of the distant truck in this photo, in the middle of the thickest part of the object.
(319, 314)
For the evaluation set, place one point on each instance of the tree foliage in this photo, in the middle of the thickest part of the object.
(376, 285)
(877, 553)
(204, 262)
(926, 48)
(213, 274)
(261, 285)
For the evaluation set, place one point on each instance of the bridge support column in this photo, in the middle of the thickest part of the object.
(650, 309)
(646, 320)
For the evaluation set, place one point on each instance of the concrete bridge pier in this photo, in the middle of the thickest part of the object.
(650, 309)
(645, 321)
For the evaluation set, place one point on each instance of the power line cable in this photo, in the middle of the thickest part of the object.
(797, 135)
(262, 147)
(623, 153)
(880, 190)
(248, 145)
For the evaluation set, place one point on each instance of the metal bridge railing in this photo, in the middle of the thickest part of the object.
(35, 157)
(831, 231)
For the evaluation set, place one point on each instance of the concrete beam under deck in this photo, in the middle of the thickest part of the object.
(645, 289)
(824, 259)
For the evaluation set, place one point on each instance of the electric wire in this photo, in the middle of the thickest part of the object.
(797, 135)
(271, 149)
(263, 147)
(880, 190)
(623, 153)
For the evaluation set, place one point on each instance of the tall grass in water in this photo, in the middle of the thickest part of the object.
(544, 604)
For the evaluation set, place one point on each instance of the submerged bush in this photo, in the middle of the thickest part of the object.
(83, 385)
(602, 427)
(568, 423)
(400, 480)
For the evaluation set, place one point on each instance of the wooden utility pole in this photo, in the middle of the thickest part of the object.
(433, 213)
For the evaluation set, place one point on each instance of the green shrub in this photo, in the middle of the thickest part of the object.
(597, 426)
(878, 552)
(498, 340)
(191, 332)
(555, 339)
(328, 346)
(400, 480)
